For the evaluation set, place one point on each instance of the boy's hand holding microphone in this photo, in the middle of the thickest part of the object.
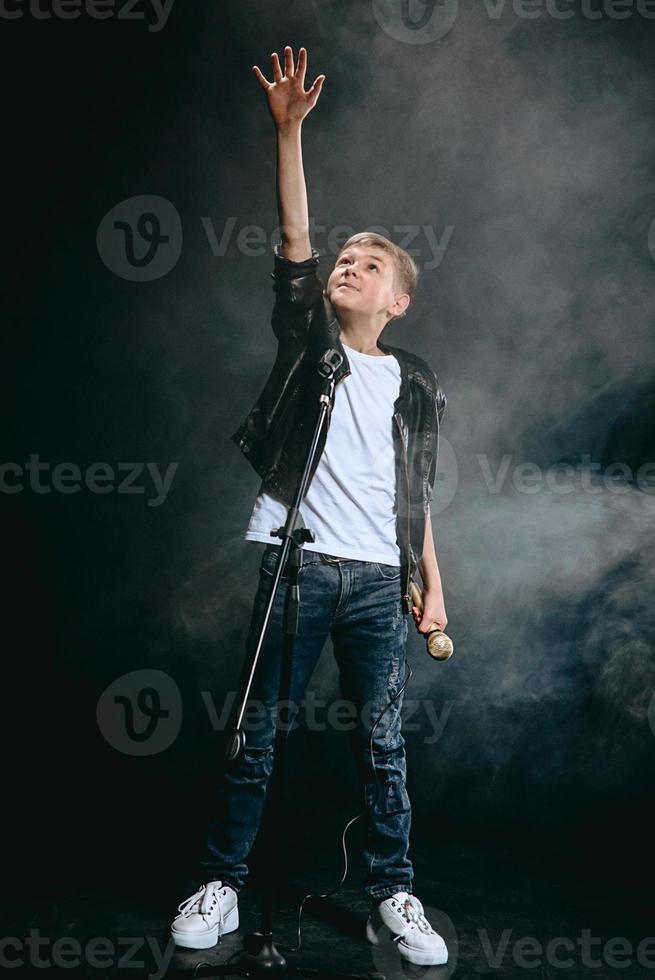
(430, 618)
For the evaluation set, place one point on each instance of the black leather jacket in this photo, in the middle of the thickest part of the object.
(276, 434)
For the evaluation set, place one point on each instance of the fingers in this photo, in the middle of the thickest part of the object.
(290, 72)
(301, 67)
(277, 71)
(315, 91)
(425, 626)
(260, 78)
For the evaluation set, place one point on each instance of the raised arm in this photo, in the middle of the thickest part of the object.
(289, 104)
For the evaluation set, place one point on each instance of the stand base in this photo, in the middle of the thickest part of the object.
(261, 958)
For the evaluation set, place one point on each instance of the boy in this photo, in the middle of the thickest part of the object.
(368, 506)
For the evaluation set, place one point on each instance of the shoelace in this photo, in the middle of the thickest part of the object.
(202, 902)
(412, 912)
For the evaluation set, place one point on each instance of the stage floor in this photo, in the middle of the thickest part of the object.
(504, 913)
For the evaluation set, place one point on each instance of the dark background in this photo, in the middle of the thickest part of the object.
(533, 139)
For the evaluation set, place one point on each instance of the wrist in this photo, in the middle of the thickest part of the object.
(289, 127)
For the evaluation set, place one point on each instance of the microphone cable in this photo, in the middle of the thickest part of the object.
(362, 813)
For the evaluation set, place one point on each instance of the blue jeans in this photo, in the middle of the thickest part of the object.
(359, 604)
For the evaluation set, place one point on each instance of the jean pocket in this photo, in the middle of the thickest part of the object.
(271, 556)
(269, 562)
(390, 572)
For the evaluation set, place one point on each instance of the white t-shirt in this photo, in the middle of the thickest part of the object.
(351, 500)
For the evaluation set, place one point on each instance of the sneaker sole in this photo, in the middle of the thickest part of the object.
(420, 957)
(207, 939)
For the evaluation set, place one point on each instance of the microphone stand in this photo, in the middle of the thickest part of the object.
(261, 957)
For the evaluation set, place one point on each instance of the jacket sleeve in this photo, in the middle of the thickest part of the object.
(440, 402)
(298, 288)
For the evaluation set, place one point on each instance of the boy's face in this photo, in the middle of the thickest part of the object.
(363, 281)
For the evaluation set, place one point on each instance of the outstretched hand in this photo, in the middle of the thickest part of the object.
(287, 100)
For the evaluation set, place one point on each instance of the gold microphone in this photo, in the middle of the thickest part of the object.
(440, 646)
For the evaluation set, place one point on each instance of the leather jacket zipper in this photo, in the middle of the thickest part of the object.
(407, 597)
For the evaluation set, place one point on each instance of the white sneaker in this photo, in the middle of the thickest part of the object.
(206, 916)
(403, 915)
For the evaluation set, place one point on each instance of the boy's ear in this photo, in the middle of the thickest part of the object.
(401, 304)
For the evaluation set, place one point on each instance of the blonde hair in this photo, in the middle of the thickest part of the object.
(406, 272)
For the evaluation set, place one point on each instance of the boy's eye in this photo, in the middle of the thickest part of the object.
(371, 265)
